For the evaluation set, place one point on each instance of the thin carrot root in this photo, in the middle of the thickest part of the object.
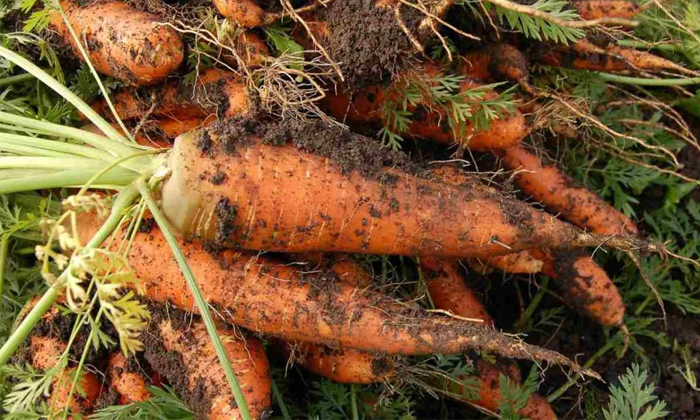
(597, 9)
(123, 42)
(367, 106)
(560, 194)
(263, 296)
(215, 94)
(192, 367)
(126, 379)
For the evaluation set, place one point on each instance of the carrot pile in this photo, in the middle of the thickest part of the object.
(237, 183)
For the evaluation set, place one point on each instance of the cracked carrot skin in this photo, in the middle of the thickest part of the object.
(203, 376)
(277, 299)
(215, 93)
(367, 105)
(279, 198)
(559, 193)
(122, 42)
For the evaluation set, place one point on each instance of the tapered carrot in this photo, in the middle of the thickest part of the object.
(121, 41)
(597, 9)
(191, 366)
(127, 381)
(267, 200)
(214, 93)
(275, 299)
(367, 106)
(343, 365)
(560, 193)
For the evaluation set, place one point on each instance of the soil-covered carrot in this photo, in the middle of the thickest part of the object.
(215, 93)
(246, 13)
(344, 365)
(495, 63)
(126, 379)
(279, 300)
(430, 123)
(121, 41)
(597, 9)
(180, 349)
(560, 193)
(250, 49)
(333, 193)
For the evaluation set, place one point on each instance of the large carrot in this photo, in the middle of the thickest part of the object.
(282, 198)
(121, 41)
(560, 193)
(276, 299)
(214, 93)
(180, 349)
(430, 121)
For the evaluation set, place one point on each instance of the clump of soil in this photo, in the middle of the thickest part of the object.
(366, 40)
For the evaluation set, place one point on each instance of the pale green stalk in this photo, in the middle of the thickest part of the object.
(19, 78)
(198, 297)
(122, 202)
(62, 163)
(62, 90)
(4, 247)
(22, 150)
(57, 146)
(642, 81)
(117, 177)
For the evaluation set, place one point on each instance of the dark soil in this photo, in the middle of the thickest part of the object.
(367, 42)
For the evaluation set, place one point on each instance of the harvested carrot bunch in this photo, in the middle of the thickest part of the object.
(349, 209)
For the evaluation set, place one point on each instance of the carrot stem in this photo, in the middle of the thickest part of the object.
(280, 401)
(18, 78)
(535, 301)
(164, 225)
(353, 402)
(4, 247)
(643, 44)
(642, 81)
(122, 202)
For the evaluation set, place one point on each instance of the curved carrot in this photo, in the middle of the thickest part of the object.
(122, 42)
(130, 385)
(597, 9)
(253, 206)
(195, 373)
(215, 93)
(559, 193)
(367, 105)
(272, 298)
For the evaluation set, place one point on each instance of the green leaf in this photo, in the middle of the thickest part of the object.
(633, 400)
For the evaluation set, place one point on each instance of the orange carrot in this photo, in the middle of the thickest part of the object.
(559, 193)
(129, 384)
(273, 298)
(522, 262)
(192, 367)
(597, 9)
(215, 93)
(348, 366)
(122, 41)
(385, 211)
(368, 104)
(246, 13)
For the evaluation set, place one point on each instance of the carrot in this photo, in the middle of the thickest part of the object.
(272, 298)
(122, 42)
(489, 394)
(495, 63)
(171, 128)
(367, 106)
(385, 211)
(343, 365)
(246, 13)
(215, 93)
(180, 349)
(522, 262)
(449, 292)
(597, 9)
(560, 194)
(250, 48)
(127, 382)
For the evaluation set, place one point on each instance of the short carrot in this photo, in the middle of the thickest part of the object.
(597, 9)
(121, 41)
(128, 382)
(495, 63)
